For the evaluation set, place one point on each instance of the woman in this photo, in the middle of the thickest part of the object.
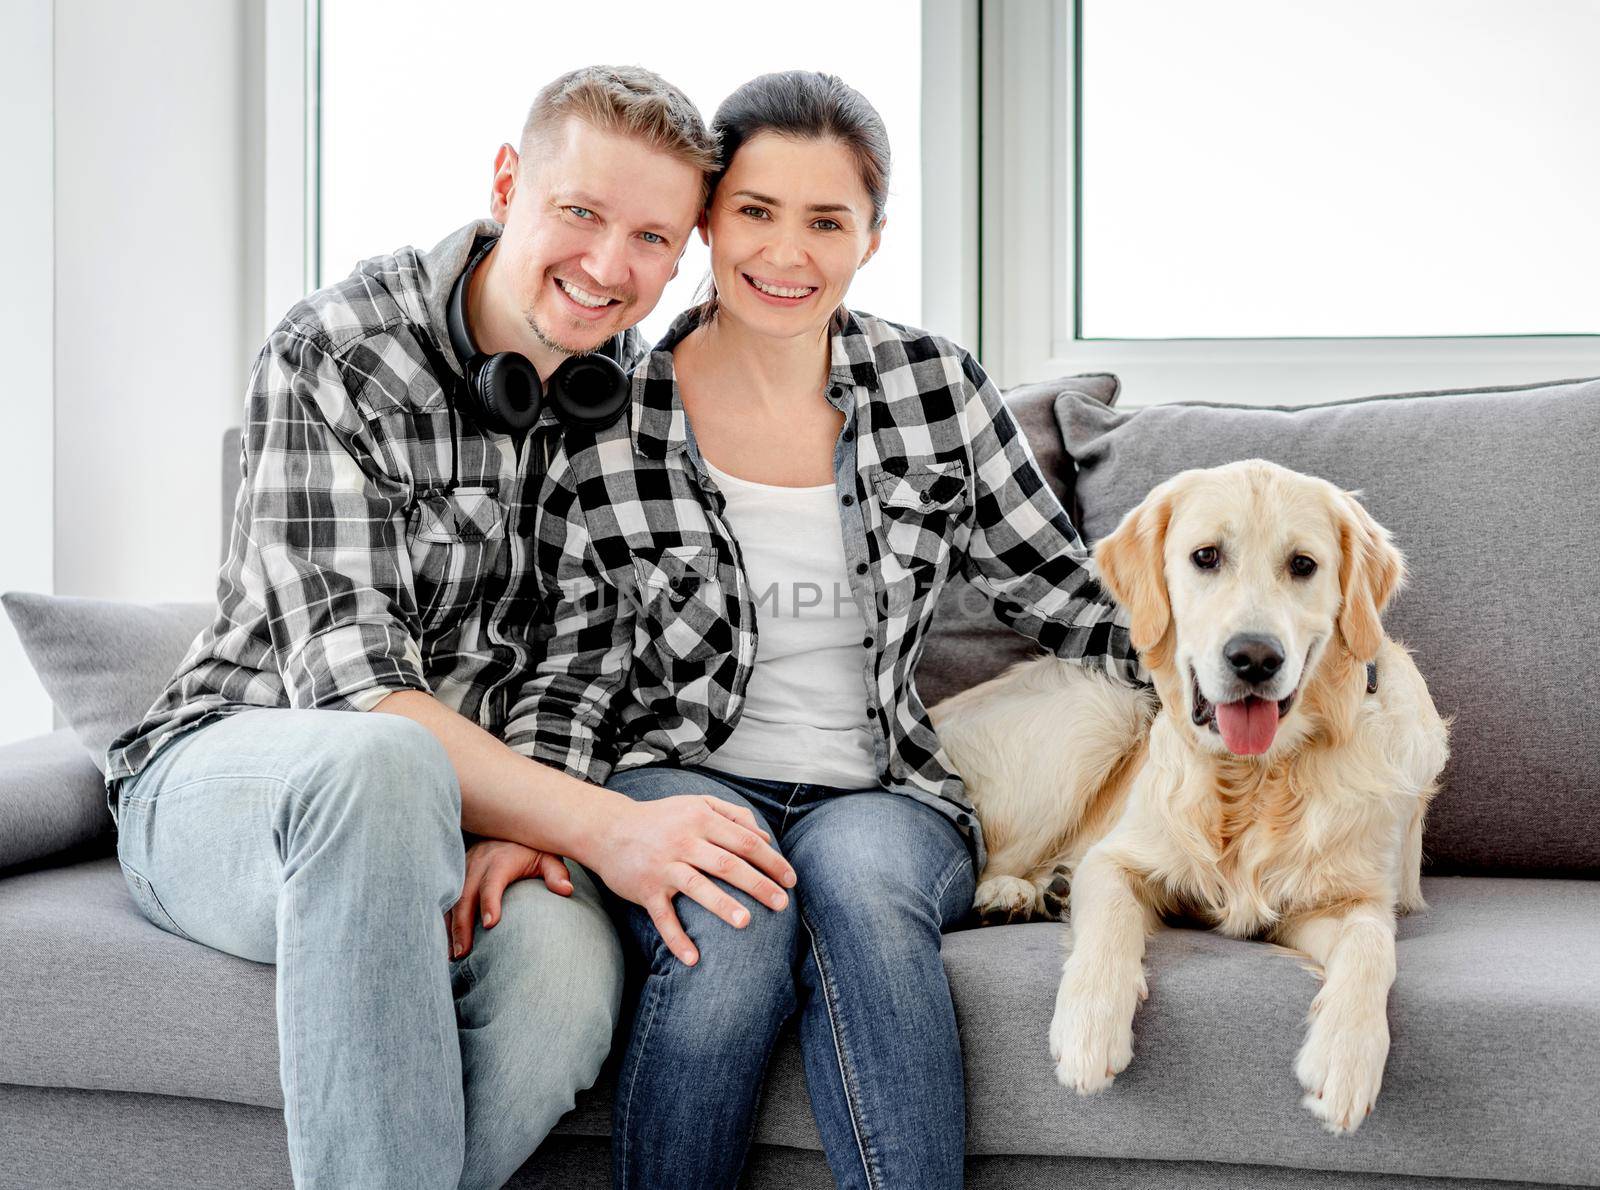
(806, 477)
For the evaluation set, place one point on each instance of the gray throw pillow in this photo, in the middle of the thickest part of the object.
(966, 644)
(1493, 495)
(103, 663)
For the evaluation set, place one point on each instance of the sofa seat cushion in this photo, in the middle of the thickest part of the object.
(92, 996)
(1495, 1019)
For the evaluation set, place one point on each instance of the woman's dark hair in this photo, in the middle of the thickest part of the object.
(807, 105)
(803, 105)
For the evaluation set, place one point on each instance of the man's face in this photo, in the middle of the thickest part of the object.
(594, 230)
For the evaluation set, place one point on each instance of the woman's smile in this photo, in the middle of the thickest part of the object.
(778, 293)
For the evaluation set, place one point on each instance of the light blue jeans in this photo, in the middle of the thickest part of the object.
(329, 843)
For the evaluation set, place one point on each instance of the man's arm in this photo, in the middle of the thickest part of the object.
(507, 796)
(327, 525)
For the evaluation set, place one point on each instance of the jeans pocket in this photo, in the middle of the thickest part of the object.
(144, 896)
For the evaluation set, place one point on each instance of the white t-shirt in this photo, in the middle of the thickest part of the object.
(805, 715)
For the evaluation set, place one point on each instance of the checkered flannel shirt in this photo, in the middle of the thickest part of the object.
(353, 570)
(650, 613)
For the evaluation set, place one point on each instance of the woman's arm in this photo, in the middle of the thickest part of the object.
(1023, 552)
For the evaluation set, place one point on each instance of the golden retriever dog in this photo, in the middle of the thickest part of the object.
(1276, 791)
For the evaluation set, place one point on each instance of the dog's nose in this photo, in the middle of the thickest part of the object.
(1254, 658)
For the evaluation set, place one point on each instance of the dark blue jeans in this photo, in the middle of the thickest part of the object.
(856, 953)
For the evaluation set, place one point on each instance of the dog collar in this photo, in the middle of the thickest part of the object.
(1372, 677)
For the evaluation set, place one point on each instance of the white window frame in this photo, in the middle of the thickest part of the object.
(1028, 176)
(290, 72)
(951, 124)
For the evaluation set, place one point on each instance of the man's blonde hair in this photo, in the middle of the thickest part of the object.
(628, 100)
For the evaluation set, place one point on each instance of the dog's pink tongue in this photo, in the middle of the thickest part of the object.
(1248, 726)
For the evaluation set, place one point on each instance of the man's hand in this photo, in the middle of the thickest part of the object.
(656, 850)
(492, 866)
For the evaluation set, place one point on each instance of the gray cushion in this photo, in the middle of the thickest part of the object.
(966, 644)
(1492, 495)
(51, 799)
(1495, 1017)
(103, 663)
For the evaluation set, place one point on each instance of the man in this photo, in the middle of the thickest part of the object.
(379, 563)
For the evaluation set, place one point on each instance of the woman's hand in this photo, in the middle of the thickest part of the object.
(655, 850)
(492, 866)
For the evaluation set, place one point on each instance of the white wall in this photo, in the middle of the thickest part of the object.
(150, 356)
(136, 132)
(26, 301)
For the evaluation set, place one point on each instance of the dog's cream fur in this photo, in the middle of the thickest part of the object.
(1314, 844)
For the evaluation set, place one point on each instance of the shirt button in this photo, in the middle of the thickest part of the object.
(964, 819)
(867, 643)
(849, 435)
(861, 568)
(847, 499)
(836, 392)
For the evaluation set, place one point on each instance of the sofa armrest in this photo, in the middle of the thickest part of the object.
(52, 798)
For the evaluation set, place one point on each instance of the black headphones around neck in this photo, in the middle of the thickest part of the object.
(503, 392)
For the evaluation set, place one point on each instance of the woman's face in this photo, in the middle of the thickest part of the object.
(789, 225)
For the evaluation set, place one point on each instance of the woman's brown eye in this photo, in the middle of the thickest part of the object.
(1302, 567)
(1206, 557)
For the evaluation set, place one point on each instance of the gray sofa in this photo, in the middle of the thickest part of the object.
(132, 1058)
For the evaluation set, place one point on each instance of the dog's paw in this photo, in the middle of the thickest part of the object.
(1341, 1064)
(1002, 899)
(1091, 1035)
(1057, 895)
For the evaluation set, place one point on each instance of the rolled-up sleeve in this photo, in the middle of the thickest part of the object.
(586, 642)
(1023, 552)
(327, 527)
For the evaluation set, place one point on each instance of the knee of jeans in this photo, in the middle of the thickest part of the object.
(887, 905)
(554, 958)
(385, 764)
(384, 786)
(743, 980)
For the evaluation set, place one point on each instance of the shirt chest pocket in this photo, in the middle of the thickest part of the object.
(683, 615)
(456, 540)
(921, 507)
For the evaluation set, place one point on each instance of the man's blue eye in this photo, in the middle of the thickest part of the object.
(652, 238)
(582, 212)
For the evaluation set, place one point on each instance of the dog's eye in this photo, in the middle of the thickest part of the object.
(1206, 557)
(1302, 566)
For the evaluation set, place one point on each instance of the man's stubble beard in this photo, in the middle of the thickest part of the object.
(545, 340)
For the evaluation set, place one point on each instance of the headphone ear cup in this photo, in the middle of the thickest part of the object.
(589, 391)
(508, 394)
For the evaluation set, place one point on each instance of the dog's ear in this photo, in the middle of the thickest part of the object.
(1371, 570)
(1132, 567)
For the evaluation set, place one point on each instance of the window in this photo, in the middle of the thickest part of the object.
(1255, 169)
(415, 100)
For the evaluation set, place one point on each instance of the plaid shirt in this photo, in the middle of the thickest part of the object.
(352, 571)
(650, 613)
